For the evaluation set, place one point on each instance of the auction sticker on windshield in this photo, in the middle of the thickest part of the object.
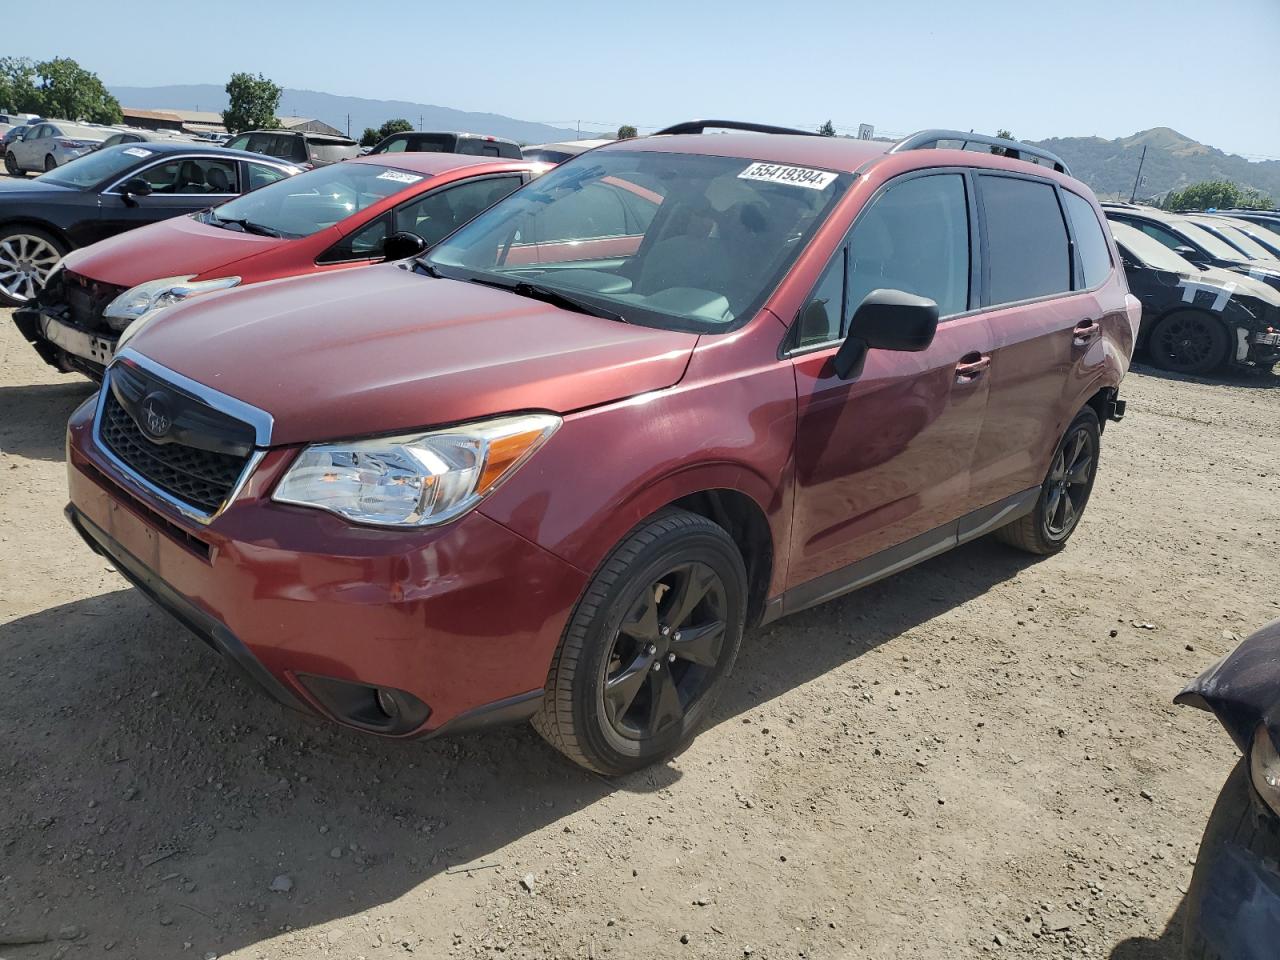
(137, 152)
(399, 176)
(794, 176)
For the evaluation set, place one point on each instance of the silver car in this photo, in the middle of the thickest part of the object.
(50, 144)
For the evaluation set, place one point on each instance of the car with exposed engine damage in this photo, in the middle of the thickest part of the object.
(555, 467)
(334, 217)
(1232, 908)
(1197, 319)
(111, 191)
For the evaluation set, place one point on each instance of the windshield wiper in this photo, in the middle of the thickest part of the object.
(426, 267)
(556, 298)
(248, 226)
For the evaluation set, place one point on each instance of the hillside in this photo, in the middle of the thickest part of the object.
(333, 109)
(1173, 161)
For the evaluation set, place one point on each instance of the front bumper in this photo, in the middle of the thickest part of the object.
(465, 618)
(64, 345)
(1233, 903)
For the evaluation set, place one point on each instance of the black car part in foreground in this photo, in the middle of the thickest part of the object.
(1233, 903)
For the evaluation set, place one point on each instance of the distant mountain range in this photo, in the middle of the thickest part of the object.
(1109, 166)
(1173, 161)
(334, 110)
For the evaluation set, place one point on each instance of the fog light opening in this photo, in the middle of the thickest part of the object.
(387, 703)
(369, 707)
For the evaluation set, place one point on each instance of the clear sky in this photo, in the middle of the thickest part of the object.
(1207, 68)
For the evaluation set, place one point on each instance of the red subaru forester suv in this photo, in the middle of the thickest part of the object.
(553, 469)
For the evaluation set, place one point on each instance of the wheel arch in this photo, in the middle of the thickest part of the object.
(39, 223)
(745, 521)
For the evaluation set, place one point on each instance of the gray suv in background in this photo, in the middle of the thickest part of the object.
(305, 149)
(51, 143)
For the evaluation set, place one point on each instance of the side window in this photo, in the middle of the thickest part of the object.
(364, 244)
(914, 238)
(195, 175)
(1027, 244)
(438, 214)
(823, 316)
(239, 143)
(1167, 237)
(260, 175)
(1091, 245)
(398, 145)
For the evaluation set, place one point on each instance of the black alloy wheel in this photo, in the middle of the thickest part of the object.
(1188, 341)
(1064, 492)
(648, 645)
(1070, 480)
(665, 651)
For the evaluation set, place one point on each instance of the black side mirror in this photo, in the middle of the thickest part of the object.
(401, 246)
(134, 187)
(886, 320)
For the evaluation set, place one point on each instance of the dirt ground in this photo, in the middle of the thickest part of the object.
(979, 755)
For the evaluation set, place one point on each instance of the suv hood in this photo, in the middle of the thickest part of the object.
(180, 247)
(384, 350)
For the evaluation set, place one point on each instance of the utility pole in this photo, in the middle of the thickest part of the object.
(419, 121)
(1138, 178)
(348, 126)
(579, 129)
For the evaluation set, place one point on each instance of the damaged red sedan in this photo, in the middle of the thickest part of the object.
(554, 468)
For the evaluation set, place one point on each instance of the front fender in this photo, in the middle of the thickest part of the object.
(608, 468)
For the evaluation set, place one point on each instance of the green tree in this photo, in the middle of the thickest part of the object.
(254, 102)
(399, 125)
(18, 85)
(369, 138)
(627, 132)
(828, 129)
(1217, 194)
(66, 89)
(1003, 135)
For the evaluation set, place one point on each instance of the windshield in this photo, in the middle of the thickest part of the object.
(1149, 251)
(93, 168)
(1217, 247)
(1238, 238)
(672, 240)
(310, 202)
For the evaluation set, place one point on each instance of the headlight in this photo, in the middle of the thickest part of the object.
(416, 480)
(155, 295)
(1264, 768)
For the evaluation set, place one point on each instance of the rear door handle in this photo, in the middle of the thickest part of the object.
(1085, 333)
(971, 366)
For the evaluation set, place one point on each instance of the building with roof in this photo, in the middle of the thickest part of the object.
(207, 121)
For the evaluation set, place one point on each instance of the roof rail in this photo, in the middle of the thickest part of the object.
(927, 139)
(701, 126)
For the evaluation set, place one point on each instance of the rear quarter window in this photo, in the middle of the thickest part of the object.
(1027, 249)
(1091, 244)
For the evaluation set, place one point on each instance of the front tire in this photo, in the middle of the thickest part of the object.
(1064, 492)
(11, 165)
(648, 646)
(1188, 341)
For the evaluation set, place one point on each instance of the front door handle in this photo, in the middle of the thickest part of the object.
(971, 366)
(1085, 332)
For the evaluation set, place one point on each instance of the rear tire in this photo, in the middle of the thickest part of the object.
(50, 163)
(648, 646)
(1188, 341)
(11, 165)
(27, 254)
(1064, 492)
